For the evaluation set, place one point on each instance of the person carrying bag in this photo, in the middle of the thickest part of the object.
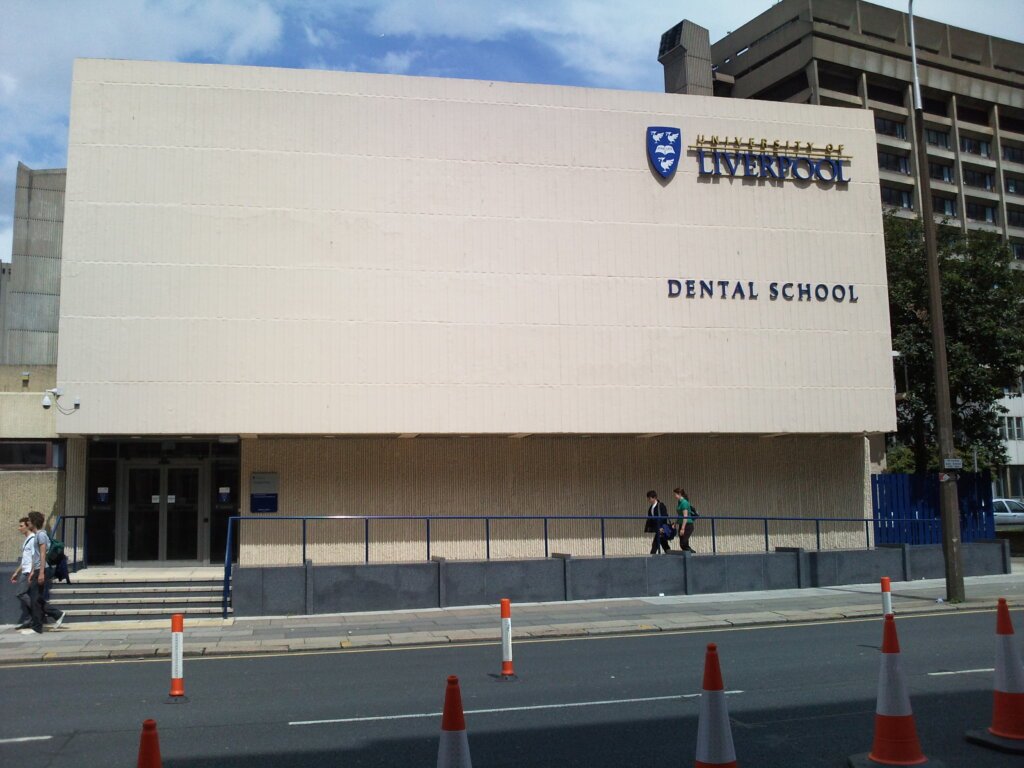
(657, 521)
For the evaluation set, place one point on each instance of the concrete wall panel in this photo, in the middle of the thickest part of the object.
(737, 477)
(523, 581)
(666, 575)
(483, 273)
(342, 589)
(615, 577)
(707, 575)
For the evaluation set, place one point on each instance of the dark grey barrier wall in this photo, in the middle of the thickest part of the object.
(269, 591)
(343, 588)
(346, 588)
(485, 582)
(829, 569)
(10, 607)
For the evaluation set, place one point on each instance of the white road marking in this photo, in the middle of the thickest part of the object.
(25, 738)
(504, 709)
(960, 672)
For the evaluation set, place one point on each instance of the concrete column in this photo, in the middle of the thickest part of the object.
(997, 149)
(961, 200)
(811, 71)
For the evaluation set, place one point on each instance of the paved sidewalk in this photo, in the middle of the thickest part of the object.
(215, 637)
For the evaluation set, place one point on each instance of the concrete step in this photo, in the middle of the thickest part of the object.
(79, 615)
(136, 593)
(134, 584)
(112, 596)
(140, 602)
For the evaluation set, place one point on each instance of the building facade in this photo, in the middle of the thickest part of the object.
(854, 54)
(290, 293)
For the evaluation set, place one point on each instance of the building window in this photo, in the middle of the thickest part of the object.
(885, 95)
(934, 106)
(898, 197)
(1002, 429)
(970, 115)
(1013, 154)
(978, 179)
(889, 127)
(1015, 217)
(887, 161)
(25, 455)
(1008, 123)
(1014, 185)
(981, 212)
(1017, 249)
(945, 206)
(1018, 422)
(974, 146)
(941, 172)
(936, 138)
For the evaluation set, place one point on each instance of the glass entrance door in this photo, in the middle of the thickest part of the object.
(144, 513)
(181, 528)
(162, 513)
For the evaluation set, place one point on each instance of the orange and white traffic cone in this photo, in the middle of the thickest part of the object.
(896, 740)
(177, 652)
(149, 746)
(508, 672)
(453, 749)
(1007, 730)
(714, 734)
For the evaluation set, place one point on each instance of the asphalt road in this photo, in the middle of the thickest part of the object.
(805, 697)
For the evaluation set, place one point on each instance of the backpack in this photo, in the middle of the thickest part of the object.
(668, 532)
(693, 512)
(60, 570)
(55, 552)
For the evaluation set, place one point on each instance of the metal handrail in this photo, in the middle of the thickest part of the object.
(61, 522)
(879, 523)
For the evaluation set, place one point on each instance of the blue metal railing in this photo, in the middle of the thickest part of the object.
(59, 530)
(885, 530)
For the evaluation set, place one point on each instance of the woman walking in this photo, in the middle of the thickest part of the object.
(684, 519)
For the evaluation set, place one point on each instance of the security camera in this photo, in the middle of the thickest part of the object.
(47, 402)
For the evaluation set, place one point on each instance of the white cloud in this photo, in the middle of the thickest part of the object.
(318, 37)
(397, 63)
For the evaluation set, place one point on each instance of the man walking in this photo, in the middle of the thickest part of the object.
(30, 580)
(37, 523)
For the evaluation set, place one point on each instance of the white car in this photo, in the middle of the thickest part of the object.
(1008, 512)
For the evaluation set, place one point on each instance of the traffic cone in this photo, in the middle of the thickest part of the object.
(714, 734)
(1007, 730)
(895, 740)
(149, 746)
(453, 749)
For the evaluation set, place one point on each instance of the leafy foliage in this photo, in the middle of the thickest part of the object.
(983, 312)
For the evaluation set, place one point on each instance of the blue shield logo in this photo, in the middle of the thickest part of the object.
(663, 148)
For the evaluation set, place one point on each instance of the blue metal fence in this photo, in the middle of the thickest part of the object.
(906, 508)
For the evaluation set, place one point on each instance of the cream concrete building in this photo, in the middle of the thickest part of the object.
(361, 294)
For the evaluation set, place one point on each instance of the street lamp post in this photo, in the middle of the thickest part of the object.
(948, 503)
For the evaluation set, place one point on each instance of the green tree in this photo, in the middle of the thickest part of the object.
(983, 311)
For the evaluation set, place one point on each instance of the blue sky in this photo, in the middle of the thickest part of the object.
(597, 43)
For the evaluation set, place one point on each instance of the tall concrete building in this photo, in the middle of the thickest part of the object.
(31, 452)
(31, 302)
(854, 54)
(848, 53)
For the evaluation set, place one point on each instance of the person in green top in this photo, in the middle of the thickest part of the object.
(684, 520)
